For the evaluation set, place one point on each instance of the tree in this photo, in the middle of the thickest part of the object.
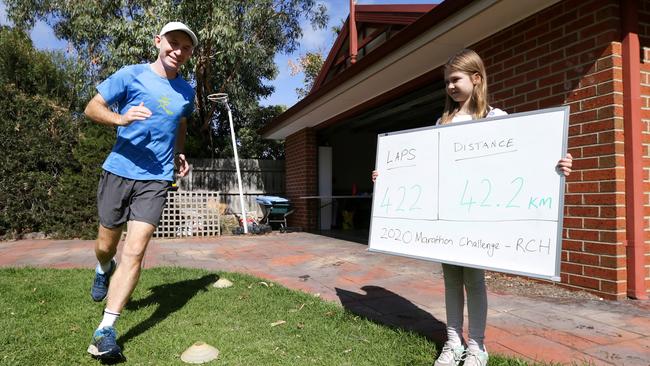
(252, 144)
(309, 64)
(44, 185)
(33, 72)
(238, 42)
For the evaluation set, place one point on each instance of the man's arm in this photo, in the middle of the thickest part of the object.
(98, 111)
(181, 163)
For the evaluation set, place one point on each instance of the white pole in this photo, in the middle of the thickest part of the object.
(241, 191)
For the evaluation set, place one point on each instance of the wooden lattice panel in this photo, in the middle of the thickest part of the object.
(190, 213)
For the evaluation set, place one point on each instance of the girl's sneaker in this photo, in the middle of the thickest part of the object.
(451, 355)
(476, 358)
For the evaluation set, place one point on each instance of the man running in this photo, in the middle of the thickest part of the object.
(153, 104)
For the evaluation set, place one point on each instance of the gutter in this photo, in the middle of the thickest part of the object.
(634, 196)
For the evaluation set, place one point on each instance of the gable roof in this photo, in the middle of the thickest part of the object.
(413, 53)
(375, 24)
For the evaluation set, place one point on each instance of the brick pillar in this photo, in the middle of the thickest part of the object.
(301, 157)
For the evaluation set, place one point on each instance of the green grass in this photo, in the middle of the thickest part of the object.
(47, 318)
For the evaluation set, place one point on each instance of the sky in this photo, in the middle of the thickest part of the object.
(285, 84)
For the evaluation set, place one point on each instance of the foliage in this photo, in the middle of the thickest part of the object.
(49, 170)
(53, 154)
(73, 200)
(238, 41)
(250, 143)
(310, 65)
(336, 29)
(36, 138)
(33, 72)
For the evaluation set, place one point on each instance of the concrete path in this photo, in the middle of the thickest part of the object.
(391, 290)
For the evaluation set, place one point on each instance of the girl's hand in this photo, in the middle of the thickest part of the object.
(375, 174)
(564, 165)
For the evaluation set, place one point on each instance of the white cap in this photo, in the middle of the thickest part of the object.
(178, 26)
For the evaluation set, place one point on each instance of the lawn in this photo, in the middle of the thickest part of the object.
(47, 318)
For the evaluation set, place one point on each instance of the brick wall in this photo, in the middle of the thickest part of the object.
(570, 54)
(645, 119)
(301, 156)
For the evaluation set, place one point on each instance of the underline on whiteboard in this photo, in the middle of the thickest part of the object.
(449, 220)
(483, 156)
(402, 166)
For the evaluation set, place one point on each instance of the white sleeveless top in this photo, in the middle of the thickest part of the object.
(494, 112)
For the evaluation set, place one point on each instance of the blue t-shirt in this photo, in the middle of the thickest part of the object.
(144, 150)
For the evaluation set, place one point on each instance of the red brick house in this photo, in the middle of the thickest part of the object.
(593, 55)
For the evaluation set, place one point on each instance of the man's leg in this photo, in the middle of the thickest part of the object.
(106, 245)
(104, 342)
(105, 249)
(113, 196)
(145, 205)
(127, 274)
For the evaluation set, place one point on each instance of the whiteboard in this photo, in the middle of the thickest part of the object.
(483, 194)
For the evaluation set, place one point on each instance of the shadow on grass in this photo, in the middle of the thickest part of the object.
(388, 308)
(169, 297)
(113, 361)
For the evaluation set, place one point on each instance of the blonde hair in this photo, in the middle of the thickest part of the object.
(470, 63)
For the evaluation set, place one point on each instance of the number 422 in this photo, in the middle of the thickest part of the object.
(408, 198)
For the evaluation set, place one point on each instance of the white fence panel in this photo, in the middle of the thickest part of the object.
(187, 214)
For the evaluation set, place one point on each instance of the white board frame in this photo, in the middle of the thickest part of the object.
(555, 275)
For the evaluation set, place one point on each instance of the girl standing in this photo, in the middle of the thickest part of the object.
(466, 99)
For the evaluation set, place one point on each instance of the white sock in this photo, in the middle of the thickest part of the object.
(453, 337)
(103, 267)
(472, 345)
(110, 317)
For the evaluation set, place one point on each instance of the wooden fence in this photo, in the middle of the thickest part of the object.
(259, 177)
(211, 189)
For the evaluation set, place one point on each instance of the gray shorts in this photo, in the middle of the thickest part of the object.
(121, 199)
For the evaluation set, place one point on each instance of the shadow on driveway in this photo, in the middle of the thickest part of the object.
(388, 308)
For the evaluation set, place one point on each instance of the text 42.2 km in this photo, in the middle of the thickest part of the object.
(482, 195)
